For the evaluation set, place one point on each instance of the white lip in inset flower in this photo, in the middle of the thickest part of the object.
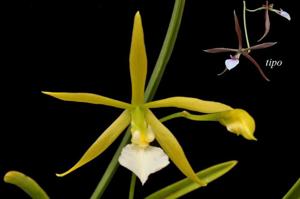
(284, 14)
(232, 62)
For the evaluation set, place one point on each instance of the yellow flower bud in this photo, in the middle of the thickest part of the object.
(239, 122)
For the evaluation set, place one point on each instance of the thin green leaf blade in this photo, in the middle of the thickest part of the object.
(294, 192)
(25, 183)
(166, 50)
(185, 186)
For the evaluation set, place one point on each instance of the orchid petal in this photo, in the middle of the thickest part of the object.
(103, 142)
(89, 98)
(238, 121)
(231, 63)
(138, 61)
(189, 103)
(171, 146)
(220, 50)
(262, 46)
(284, 14)
(238, 30)
(143, 161)
(267, 23)
(257, 66)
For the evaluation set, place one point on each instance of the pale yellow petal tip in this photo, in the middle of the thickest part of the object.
(60, 175)
(234, 162)
(137, 18)
(46, 92)
(238, 121)
(252, 138)
(49, 93)
(66, 173)
(137, 14)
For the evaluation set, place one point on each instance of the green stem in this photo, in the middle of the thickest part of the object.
(166, 50)
(294, 192)
(187, 115)
(111, 169)
(245, 25)
(257, 9)
(132, 186)
(152, 86)
(172, 116)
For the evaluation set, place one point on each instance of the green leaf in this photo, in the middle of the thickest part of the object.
(166, 50)
(25, 183)
(132, 186)
(185, 186)
(294, 192)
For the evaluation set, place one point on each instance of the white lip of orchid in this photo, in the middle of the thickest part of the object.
(281, 13)
(284, 14)
(143, 161)
(232, 62)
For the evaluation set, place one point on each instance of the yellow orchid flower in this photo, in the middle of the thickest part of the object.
(139, 156)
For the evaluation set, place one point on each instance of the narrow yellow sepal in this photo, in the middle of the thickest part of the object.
(103, 142)
(189, 103)
(171, 146)
(88, 98)
(138, 61)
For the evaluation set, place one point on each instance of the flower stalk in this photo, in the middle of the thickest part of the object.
(245, 27)
(132, 186)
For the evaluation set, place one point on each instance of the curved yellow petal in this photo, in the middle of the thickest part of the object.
(189, 103)
(88, 98)
(238, 121)
(103, 142)
(171, 146)
(138, 61)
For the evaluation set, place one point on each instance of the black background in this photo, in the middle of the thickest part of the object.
(84, 46)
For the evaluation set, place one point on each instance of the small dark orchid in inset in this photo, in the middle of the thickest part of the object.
(234, 59)
(269, 7)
